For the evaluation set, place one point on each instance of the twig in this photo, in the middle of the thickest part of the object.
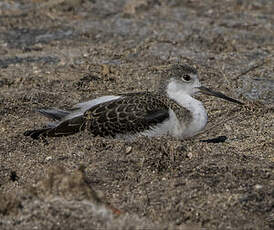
(254, 67)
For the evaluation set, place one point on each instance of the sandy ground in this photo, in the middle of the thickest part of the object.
(58, 53)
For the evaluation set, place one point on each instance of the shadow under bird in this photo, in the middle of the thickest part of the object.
(169, 111)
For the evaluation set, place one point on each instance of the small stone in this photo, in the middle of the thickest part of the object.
(258, 186)
(228, 127)
(105, 70)
(189, 155)
(132, 7)
(128, 149)
(48, 158)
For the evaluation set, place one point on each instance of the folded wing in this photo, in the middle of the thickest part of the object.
(127, 114)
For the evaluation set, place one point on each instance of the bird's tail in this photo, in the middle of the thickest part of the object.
(36, 133)
(55, 114)
(64, 128)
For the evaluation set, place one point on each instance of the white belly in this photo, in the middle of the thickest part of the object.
(171, 127)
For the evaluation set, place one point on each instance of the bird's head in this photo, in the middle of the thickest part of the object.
(183, 78)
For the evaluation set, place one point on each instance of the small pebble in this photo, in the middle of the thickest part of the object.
(128, 149)
(189, 155)
(48, 158)
(258, 186)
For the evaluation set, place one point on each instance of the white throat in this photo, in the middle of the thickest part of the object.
(199, 115)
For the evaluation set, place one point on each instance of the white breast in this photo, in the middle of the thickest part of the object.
(199, 115)
(179, 128)
(199, 119)
(175, 127)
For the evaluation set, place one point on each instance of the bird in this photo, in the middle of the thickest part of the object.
(170, 110)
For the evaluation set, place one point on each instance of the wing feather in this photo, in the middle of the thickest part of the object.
(129, 114)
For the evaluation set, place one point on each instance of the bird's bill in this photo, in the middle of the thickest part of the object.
(211, 92)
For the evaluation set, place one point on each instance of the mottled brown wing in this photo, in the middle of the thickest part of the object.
(65, 128)
(130, 114)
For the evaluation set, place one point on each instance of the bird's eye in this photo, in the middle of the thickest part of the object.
(186, 77)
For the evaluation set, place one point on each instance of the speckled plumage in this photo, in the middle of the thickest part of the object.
(169, 111)
(131, 114)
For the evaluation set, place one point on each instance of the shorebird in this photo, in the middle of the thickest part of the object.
(172, 110)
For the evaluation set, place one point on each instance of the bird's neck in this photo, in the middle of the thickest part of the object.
(183, 98)
(196, 108)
